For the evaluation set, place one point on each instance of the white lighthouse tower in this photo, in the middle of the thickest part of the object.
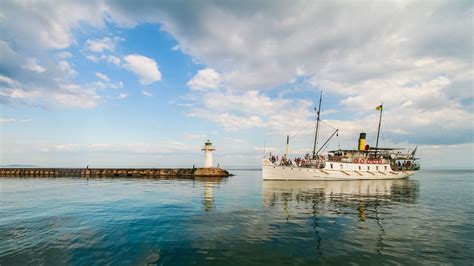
(208, 154)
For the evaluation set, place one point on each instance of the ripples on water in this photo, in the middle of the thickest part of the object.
(240, 220)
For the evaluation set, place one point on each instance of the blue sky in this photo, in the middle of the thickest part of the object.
(112, 83)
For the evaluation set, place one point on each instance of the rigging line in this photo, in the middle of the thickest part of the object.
(328, 125)
(384, 135)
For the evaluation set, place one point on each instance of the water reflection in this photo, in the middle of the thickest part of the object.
(208, 195)
(360, 200)
(363, 193)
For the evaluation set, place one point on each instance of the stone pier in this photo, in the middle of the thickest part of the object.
(114, 172)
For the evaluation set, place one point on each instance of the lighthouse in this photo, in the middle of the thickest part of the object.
(208, 154)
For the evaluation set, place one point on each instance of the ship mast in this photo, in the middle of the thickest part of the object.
(317, 126)
(378, 131)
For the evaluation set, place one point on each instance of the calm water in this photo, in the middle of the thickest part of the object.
(238, 221)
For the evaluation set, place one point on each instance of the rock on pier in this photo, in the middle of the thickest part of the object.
(114, 172)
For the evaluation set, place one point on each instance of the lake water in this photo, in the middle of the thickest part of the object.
(240, 220)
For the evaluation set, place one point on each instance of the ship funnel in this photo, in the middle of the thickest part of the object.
(362, 141)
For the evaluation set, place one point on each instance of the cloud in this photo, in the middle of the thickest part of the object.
(67, 69)
(93, 58)
(147, 93)
(109, 58)
(7, 120)
(74, 95)
(270, 43)
(67, 147)
(64, 55)
(229, 121)
(123, 95)
(102, 76)
(8, 81)
(250, 102)
(113, 59)
(193, 136)
(31, 64)
(101, 45)
(145, 68)
(17, 93)
(205, 79)
(14, 121)
(47, 25)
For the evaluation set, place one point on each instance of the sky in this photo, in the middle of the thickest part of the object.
(146, 83)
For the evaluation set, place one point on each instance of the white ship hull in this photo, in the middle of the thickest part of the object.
(332, 171)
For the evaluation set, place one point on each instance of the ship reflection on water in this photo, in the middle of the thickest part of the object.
(363, 201)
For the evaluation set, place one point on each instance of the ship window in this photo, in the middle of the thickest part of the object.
(368, 167)
(360, 168)
(331, 165)
(385, 167)
(341, 166)
(376, 168)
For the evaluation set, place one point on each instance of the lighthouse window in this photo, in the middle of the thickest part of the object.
(331, 165)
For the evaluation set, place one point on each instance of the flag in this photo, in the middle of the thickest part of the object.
(378, 108)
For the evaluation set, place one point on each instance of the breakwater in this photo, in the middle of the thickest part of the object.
(114, 172)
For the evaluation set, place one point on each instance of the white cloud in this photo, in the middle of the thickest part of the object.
(17, 93)
(67, 147)
(64, 55)
(32, 64)
(14, 121)
(73, 95)
(229, 121)
(250, 102)
(35, 25)
(123, 95)
(147, 93)
(67, 69)
(109, 58)
(102, 85)
(102, 76)
(93, 58)
(7, 120)
(205, 79)
(113, 59)
(193, 136)
(8, 81)
(101, 45)
(144, 67)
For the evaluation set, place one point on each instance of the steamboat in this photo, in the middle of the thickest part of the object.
(363, 163)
